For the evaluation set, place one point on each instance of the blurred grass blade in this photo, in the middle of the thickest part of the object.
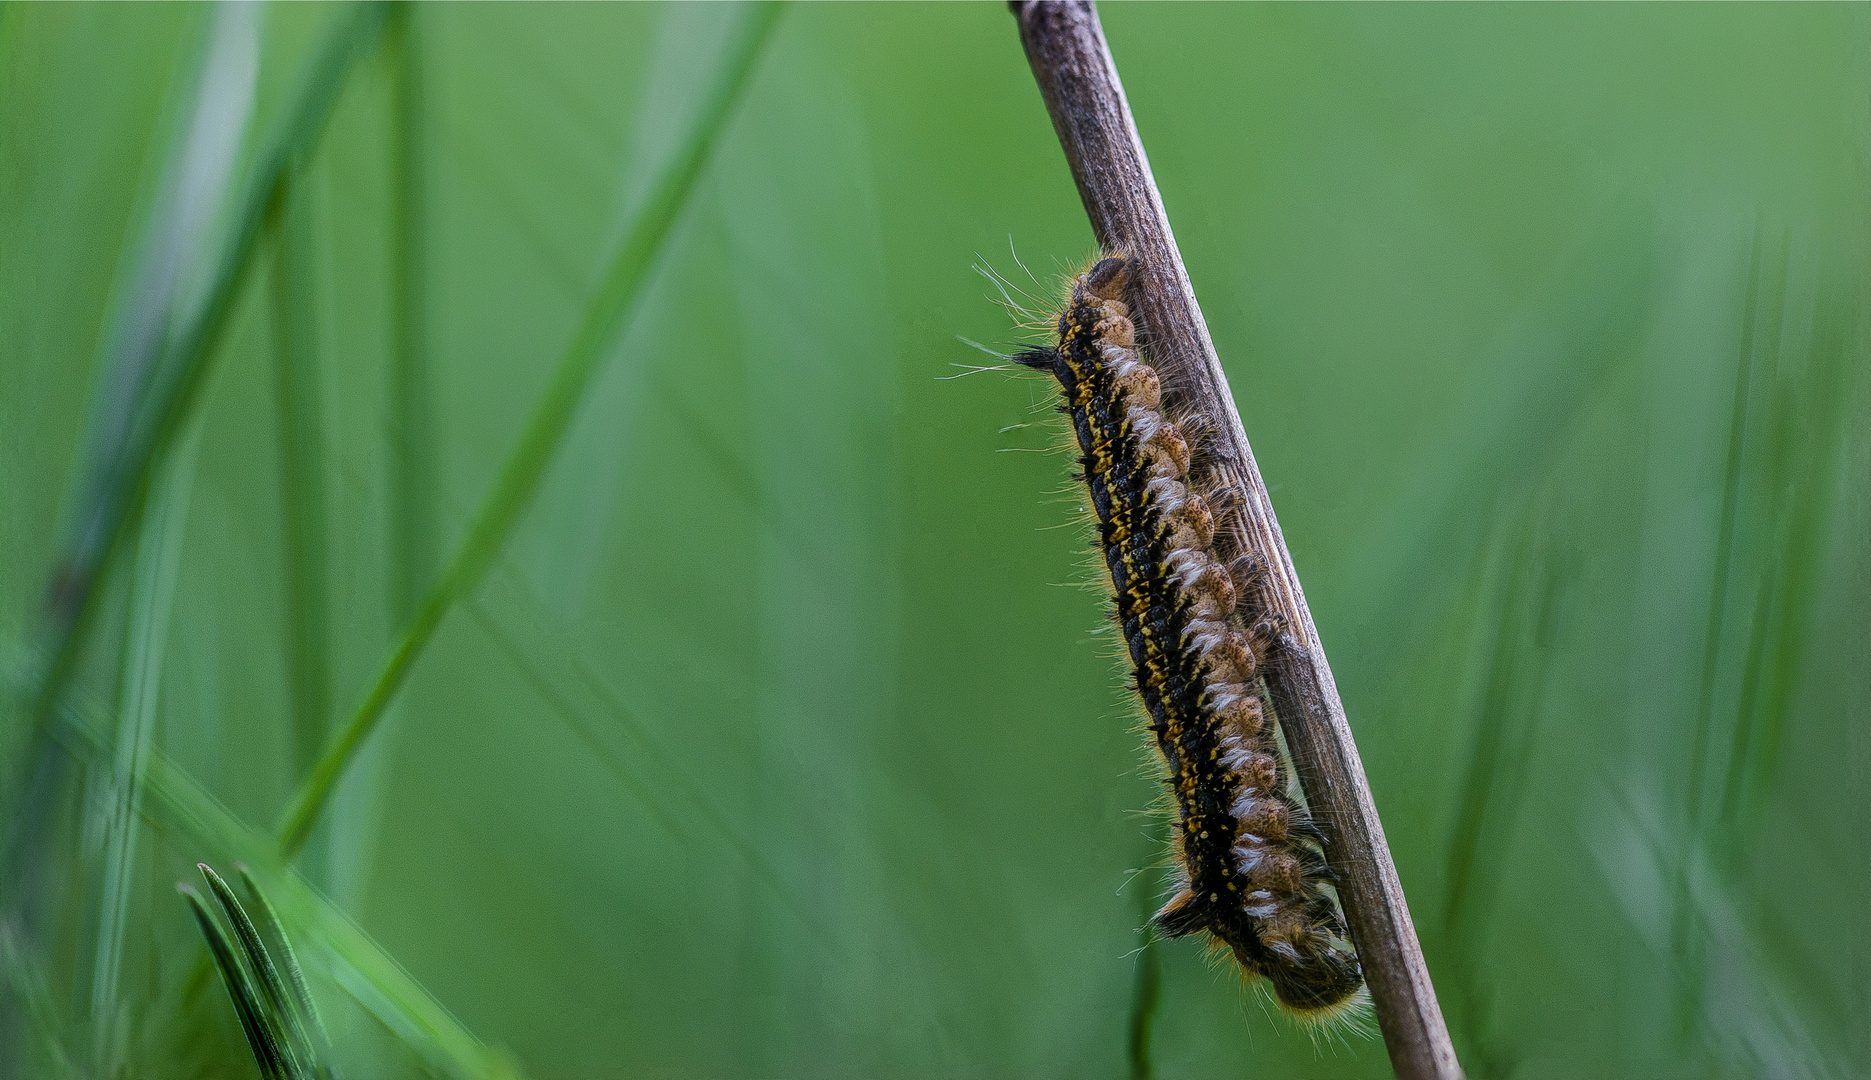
(696, 805)
(124, 455)
(1727, 528)
(302, 495)
(152, 596)
(412, 446)
(263, 1036)
(412, 440)
(335, 945)
(1145, 998)
(1760, 324)
(519, 477)
(27, 983)
(197, 171)
(120, 466)
(1504, 672)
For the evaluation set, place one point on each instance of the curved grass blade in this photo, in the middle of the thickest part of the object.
(335, 946)
(281, 1009)
(269, 1050)
(519, 477)
(294, 974)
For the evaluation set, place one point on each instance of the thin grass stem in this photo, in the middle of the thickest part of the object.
(518, 481)
(298, 399)
(412, 472)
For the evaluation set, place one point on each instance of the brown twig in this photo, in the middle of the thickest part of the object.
(1078, 78)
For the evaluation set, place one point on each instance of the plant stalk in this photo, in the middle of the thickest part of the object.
(1078, 78)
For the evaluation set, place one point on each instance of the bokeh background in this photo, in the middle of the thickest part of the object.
(776, 736)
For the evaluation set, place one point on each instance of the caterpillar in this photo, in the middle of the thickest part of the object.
(1251, 872)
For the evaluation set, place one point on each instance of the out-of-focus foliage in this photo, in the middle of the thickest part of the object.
(777, 740)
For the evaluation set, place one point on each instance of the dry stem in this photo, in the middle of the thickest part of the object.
(1078, 78)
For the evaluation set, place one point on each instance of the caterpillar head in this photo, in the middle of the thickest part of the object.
(1107, 278)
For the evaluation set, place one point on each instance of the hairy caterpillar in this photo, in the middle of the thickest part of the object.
(1251, 868)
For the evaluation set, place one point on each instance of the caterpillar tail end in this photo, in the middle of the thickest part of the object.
(1326, 990)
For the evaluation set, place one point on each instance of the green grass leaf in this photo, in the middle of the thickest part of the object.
(518, 480)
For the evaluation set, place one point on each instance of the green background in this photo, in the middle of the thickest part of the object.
(777, 739)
